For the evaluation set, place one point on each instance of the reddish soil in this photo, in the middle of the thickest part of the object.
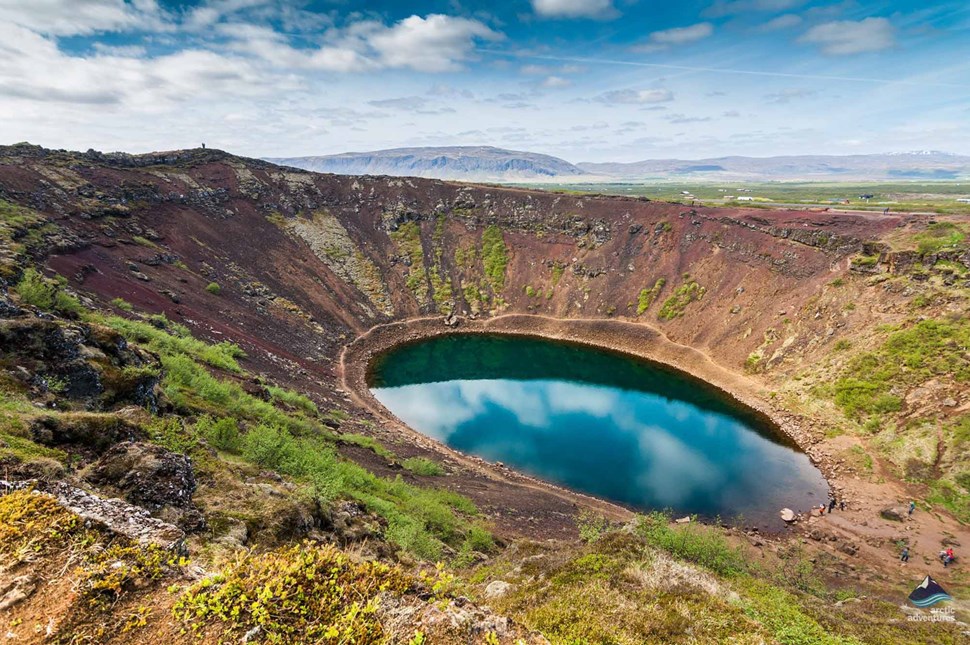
(766, 275)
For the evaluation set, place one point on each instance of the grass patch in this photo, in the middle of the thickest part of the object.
(167, 338)
(695, 543)
(122, 304)
(928, 349)
(423, 466)
(213, 288)
(294, 400)
(940, 236)
(370, 443)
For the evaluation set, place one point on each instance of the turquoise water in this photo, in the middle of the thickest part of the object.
(601, 423)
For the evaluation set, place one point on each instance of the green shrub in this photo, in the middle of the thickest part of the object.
(47, 295)
(293, 399)
(695, 543)
(222, 434)
(213, 288)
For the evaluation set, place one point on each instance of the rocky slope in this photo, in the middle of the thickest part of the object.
(850, 329)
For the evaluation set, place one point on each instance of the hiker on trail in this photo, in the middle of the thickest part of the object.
(912, 506)
(905, 554)
(821, 510)
(946, 557)
(831, 505)
(841, 504)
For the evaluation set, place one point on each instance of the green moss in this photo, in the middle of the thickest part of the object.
(558, 268)
(300, 593)
(408, 239)
(865, 260)
(495, 257)
(648, 296)
(674, 306)
(21, 230)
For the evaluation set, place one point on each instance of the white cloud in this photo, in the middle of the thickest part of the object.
(636, 97)
(574, 8)
(842, 37)
(435, 43)
(723, 8)
(661, 40)
(554, 82)
(83, 17)
(681, 35)
(786, 21)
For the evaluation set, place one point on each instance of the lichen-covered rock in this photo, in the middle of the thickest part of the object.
(114, 515)
(83, 365)
(145, 474)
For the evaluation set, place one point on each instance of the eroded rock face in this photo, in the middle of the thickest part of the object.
(145, 474)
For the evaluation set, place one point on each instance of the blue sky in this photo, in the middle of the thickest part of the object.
(587, 80)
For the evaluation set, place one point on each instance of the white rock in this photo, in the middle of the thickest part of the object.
(497, 589)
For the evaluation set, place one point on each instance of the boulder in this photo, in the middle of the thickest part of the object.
(497, 589)
(146, 475)
(787, 515)
(894, 513)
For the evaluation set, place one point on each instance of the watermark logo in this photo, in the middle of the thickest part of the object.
(928, 593)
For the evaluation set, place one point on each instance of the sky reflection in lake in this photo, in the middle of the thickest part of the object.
(646, 449)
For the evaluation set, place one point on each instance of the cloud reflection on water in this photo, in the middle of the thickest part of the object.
(634, 447)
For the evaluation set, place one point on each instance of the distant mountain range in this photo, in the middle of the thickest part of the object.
(929, 165)
(471, 163)
(484, 163)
